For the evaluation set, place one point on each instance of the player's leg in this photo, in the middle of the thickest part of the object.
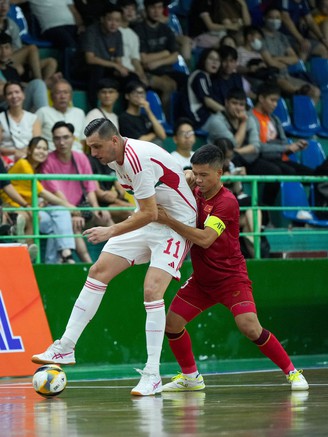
(268, 344)
(187, 304)
(155, 285)
(106, 268)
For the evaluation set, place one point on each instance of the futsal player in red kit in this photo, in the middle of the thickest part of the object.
(220, 276)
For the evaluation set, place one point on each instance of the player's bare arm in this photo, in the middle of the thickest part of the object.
(202, 237)
(147, 214)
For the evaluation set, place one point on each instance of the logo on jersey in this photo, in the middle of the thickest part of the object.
(172, 265)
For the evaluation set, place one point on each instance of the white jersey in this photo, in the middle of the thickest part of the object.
(149, 170)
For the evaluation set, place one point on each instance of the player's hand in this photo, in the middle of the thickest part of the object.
(190, 178)
(97, 235)
(163, 216)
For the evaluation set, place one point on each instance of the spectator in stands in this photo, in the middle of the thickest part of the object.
(278, 53)
(110, 193)
(138, 120)
(304, 34)
(57, 221)
(239, 127)
(108, 93)
(275, 147)
(131, 44)
(90, 10)
(7, 220)
(246, 218)
(199, 103)
(62, 110)
(59, 20)
(228, 77)
(26, 56)
(320, 16)
(184, 138)
(130, 11)
(209, 20)
(17, 126)
(228, 40)
(64, 160)
(159, 52)
(184, 42)
(36, 94)
(102, 45)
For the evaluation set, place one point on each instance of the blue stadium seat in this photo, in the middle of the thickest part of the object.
(323, 132)
(180, 7)
(174, 24)
(175, 105)
(319, 72)
(282, 113)
(293, 194)
(305, 117)
(17, 15)
(299, 67)
(157, 108)
(181, 65)
(313, 155)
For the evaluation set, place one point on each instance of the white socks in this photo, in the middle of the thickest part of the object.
(155, 327)
(84, 309)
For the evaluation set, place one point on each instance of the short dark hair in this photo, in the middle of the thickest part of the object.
(133, 85)
(228, 52)
(224, 144)
(5, 38)
(153, 2)
(208, 154)
(236, 93)
(60, 124)
(267, 89)
(180, 121)
(104, 127)
(250, 30)
(108, 83)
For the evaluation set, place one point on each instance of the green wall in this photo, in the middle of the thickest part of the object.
(291, 296)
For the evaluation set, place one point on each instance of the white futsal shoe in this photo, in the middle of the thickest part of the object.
(182, 382)
(297, 380)
(55, 354)
(149, 384)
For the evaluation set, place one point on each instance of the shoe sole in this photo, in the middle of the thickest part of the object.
(176, 390)
(37, 360)
(137, 393)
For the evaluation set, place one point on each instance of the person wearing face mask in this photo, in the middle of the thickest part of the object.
(250, 62)
(277, 52)
(303, 33)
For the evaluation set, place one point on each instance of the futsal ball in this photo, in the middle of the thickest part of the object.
(49, 380)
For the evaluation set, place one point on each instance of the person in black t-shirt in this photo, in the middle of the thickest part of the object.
(138, 120)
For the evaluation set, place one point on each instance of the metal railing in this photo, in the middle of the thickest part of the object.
(254, 182)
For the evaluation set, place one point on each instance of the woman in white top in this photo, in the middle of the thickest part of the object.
(17, 126)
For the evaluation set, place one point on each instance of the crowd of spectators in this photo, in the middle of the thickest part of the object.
(236, 62)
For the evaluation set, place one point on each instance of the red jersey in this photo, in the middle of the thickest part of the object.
(223, 261)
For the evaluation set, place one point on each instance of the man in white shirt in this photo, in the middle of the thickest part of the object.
(184, 138)
(61, 95)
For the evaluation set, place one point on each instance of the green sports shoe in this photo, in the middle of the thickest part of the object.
(182, 382)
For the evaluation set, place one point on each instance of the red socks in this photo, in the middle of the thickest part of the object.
(271, 347)
(180, 345)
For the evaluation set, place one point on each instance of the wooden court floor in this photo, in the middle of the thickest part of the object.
(249, 404)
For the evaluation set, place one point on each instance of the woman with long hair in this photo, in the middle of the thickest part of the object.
(57, 221)
(17, 126)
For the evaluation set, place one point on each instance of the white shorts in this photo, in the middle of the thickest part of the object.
(159, 244)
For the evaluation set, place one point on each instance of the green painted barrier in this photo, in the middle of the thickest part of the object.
(291, 296)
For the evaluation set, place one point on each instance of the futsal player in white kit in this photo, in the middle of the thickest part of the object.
(153, 176)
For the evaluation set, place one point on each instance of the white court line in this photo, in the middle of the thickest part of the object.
(104, 387)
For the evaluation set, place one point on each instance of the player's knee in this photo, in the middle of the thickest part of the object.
(174, 335)
(250, 327)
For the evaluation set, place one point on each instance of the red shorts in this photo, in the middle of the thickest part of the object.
(192, 298)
